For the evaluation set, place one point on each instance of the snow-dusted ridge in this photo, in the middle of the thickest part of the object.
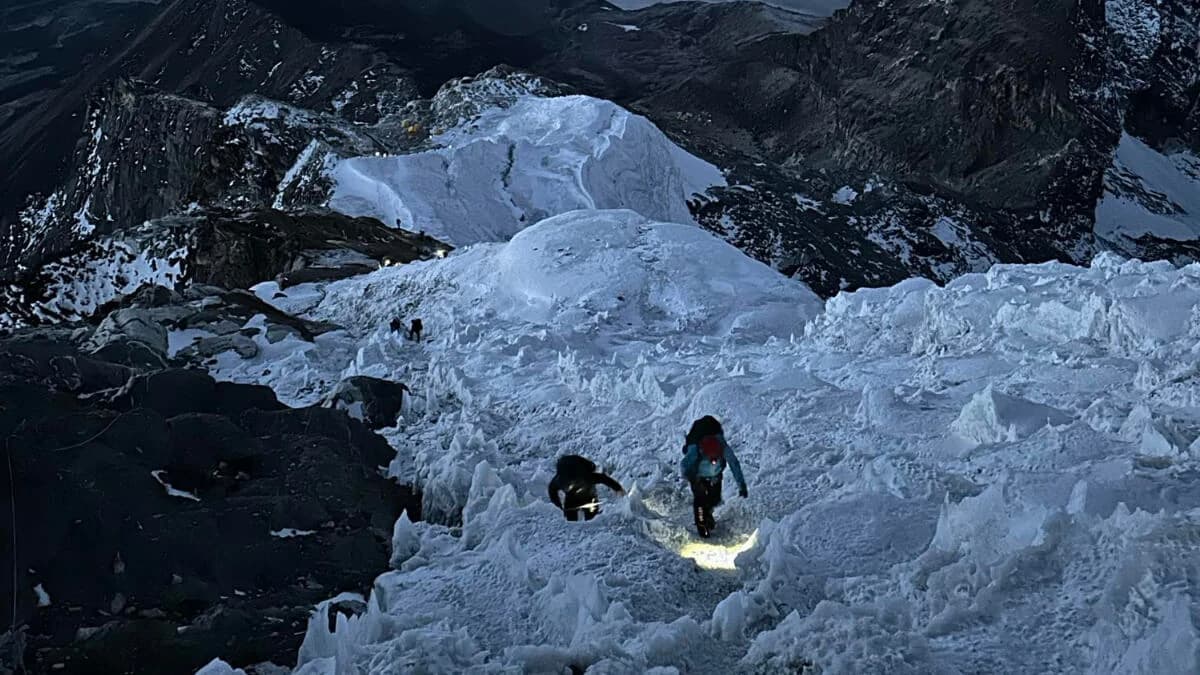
(992, 476)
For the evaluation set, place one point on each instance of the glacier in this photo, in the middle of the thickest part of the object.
(512, 166)
(995, 475)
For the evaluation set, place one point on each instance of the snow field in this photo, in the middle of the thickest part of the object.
(997, 475)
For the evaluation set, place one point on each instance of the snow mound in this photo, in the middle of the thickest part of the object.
(514, 166)
(589, 274)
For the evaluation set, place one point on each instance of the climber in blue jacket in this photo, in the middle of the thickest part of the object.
(705, 455)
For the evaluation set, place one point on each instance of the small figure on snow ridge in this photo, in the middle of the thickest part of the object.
(577, 477)
(396, 325)
(705, 455)
(414, 330)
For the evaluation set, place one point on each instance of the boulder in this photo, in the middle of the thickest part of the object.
(131, 325)
(277, 332)
(374, 401)
(209, 347)
(184, 520)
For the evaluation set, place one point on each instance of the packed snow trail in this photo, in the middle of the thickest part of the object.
(995, 476)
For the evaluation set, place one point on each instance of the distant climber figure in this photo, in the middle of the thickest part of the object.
(396, 325)
(414, 330)
(705, 454)
(577, 477)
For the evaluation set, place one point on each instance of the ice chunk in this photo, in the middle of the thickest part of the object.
(518, 165)
(219, 667)
(994, 417)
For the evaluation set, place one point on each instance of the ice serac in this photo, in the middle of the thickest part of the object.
(512, 167)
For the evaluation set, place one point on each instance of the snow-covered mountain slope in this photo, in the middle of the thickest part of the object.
(514, 166)
(995, 476)
(1148, 192)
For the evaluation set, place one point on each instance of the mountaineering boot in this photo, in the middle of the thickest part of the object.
(702, 526)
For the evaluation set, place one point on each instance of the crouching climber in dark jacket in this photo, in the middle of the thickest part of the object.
(577, 477)
(705, 455)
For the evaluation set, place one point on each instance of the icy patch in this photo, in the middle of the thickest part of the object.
(845, 195)
(515, 166)
(808, 203)
(43, 598)
(294, 172)
(84, 227)
(171, 491)
(1147, 192)
(291, 532)
(178, 340)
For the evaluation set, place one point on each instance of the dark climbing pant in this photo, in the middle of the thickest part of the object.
(706, 494)
(583, 502)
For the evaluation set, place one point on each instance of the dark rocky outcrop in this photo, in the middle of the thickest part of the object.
(239, 249)
(164, 519)
(213, 248)
(374, 401)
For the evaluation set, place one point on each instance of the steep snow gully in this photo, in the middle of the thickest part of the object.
(998, 475)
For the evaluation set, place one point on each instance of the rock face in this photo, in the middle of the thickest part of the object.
(165, 519)
(215, 247)
(889, 140)
(989, 127)
(214, 51)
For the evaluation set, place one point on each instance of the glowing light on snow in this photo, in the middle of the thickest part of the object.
(717, 556)
(441, 253)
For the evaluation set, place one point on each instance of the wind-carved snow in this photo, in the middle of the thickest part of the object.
(515, 166)
(1148, 192)
(997, 475)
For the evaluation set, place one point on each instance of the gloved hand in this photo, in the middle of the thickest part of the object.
(742, 492)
